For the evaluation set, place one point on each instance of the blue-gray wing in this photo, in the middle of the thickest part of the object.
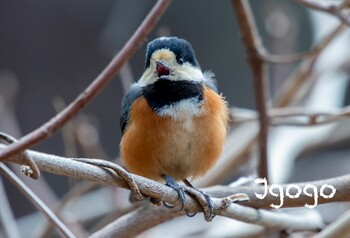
(134, 92)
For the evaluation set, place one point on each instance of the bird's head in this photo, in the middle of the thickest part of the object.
(170, 58)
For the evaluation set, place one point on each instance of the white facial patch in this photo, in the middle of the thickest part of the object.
(183, 109)
(188, 72)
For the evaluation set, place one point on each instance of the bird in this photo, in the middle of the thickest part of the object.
(173, 120)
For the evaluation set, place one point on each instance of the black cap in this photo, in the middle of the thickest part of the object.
(181, 48)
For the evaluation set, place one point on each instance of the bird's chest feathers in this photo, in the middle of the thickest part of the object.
(179, 100)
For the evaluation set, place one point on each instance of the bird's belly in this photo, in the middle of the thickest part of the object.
(178, 160)
(153, 146)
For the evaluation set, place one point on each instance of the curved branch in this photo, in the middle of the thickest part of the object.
(129, 49)
(70, 167)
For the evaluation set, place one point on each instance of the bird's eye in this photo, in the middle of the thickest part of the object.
(180, 60)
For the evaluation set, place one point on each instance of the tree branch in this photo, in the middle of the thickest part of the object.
(129, 49)
(35, 200)
(252, 43)
(234, 157)
(335, 10)
(339, 228)
(292, 116)
(72, 168)
(7, 218)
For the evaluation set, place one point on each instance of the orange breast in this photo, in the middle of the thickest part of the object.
(153, 146)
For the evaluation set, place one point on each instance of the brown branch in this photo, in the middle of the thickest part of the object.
(251, 41)
(94, 88)
(30, 169)
(237, 155)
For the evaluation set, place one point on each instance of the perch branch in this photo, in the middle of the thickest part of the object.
(252, 43)
(72, 168)
(129, 49)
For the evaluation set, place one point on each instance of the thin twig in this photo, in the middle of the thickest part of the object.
(35, 200)
(252, 43)
(292, 116)
(314, 52)
(7, 219)
(74, 192)
(335, 10)
(129, 49)
(303, 74)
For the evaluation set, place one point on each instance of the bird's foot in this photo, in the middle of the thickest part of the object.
(204, 200)
(170, 182)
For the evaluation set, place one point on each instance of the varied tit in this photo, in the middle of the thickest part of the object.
(173, 119)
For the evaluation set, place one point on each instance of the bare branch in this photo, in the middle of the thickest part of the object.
(340, 228)
(94, 88)
(147, 217)
(292, 116)
(314, 52)
(335, 10)
(70, 167)
(35, 200)
(31, 169)
(303, 73)
(251, 41)
(287, 95)
(132, 224)
(7, 219)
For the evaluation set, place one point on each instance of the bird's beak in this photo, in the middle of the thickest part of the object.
(163, 70)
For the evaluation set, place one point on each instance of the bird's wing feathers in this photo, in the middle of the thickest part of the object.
(134, 92)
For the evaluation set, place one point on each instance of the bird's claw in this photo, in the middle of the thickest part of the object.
(170, 182)
(189, 214)
(203, 198)
(167, 205)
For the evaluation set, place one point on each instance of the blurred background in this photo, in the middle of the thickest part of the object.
(51, 50)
